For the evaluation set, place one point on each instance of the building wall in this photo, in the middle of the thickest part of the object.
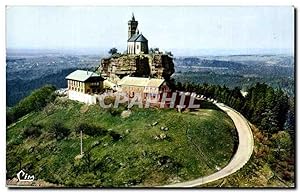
(149, 89)
(131, 47)
(132, 90)
(144, 47)
(145, 91)
(165, 88)
(85, 87)
(137, 47)
(82, 97)
(76, 86)
(93, 87)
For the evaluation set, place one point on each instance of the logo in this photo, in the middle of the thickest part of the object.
(24, 177)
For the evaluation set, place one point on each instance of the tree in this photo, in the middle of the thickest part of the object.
(153, 50)
(113, 51)
(291, 119)
(169, 53)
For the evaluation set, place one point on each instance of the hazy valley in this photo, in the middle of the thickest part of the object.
(26, 72)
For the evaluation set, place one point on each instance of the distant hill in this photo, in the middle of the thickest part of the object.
(19, 88)
(28, 71)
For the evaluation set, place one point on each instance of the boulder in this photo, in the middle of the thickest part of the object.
(142, 65)
(126, 113)
(95, 143)
(155, 123)
(162, 136)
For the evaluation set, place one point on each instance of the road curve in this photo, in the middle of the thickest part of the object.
(240, 158)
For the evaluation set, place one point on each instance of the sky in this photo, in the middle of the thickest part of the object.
(186, 29)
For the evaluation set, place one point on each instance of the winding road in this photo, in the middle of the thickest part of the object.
(240, 158)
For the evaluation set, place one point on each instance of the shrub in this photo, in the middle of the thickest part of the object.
(59, 131)
(113, 51)
(32, 131)
(91, 130)
(115, 111)
(115, 136)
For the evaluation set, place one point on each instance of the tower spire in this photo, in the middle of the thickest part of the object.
(132, 26)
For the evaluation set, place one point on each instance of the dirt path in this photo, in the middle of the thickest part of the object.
(241, 157)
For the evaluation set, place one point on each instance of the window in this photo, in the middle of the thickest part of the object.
(137, 46)
(95, 83)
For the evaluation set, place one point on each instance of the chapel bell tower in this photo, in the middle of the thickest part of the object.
(132, 26)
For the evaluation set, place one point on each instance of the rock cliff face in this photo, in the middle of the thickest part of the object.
(144, 65)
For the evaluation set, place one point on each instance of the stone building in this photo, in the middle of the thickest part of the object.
(85, 82)
(145, 87)
(136, 43)
(84, 85)
(138, 61)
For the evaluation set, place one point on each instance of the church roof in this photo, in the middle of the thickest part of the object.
(81, 75)
(133, 38)
(141, 38)
(137, 38)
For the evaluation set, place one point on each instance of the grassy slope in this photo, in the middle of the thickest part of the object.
(197, 142)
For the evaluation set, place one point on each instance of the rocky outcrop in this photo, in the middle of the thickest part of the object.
(143, 65)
